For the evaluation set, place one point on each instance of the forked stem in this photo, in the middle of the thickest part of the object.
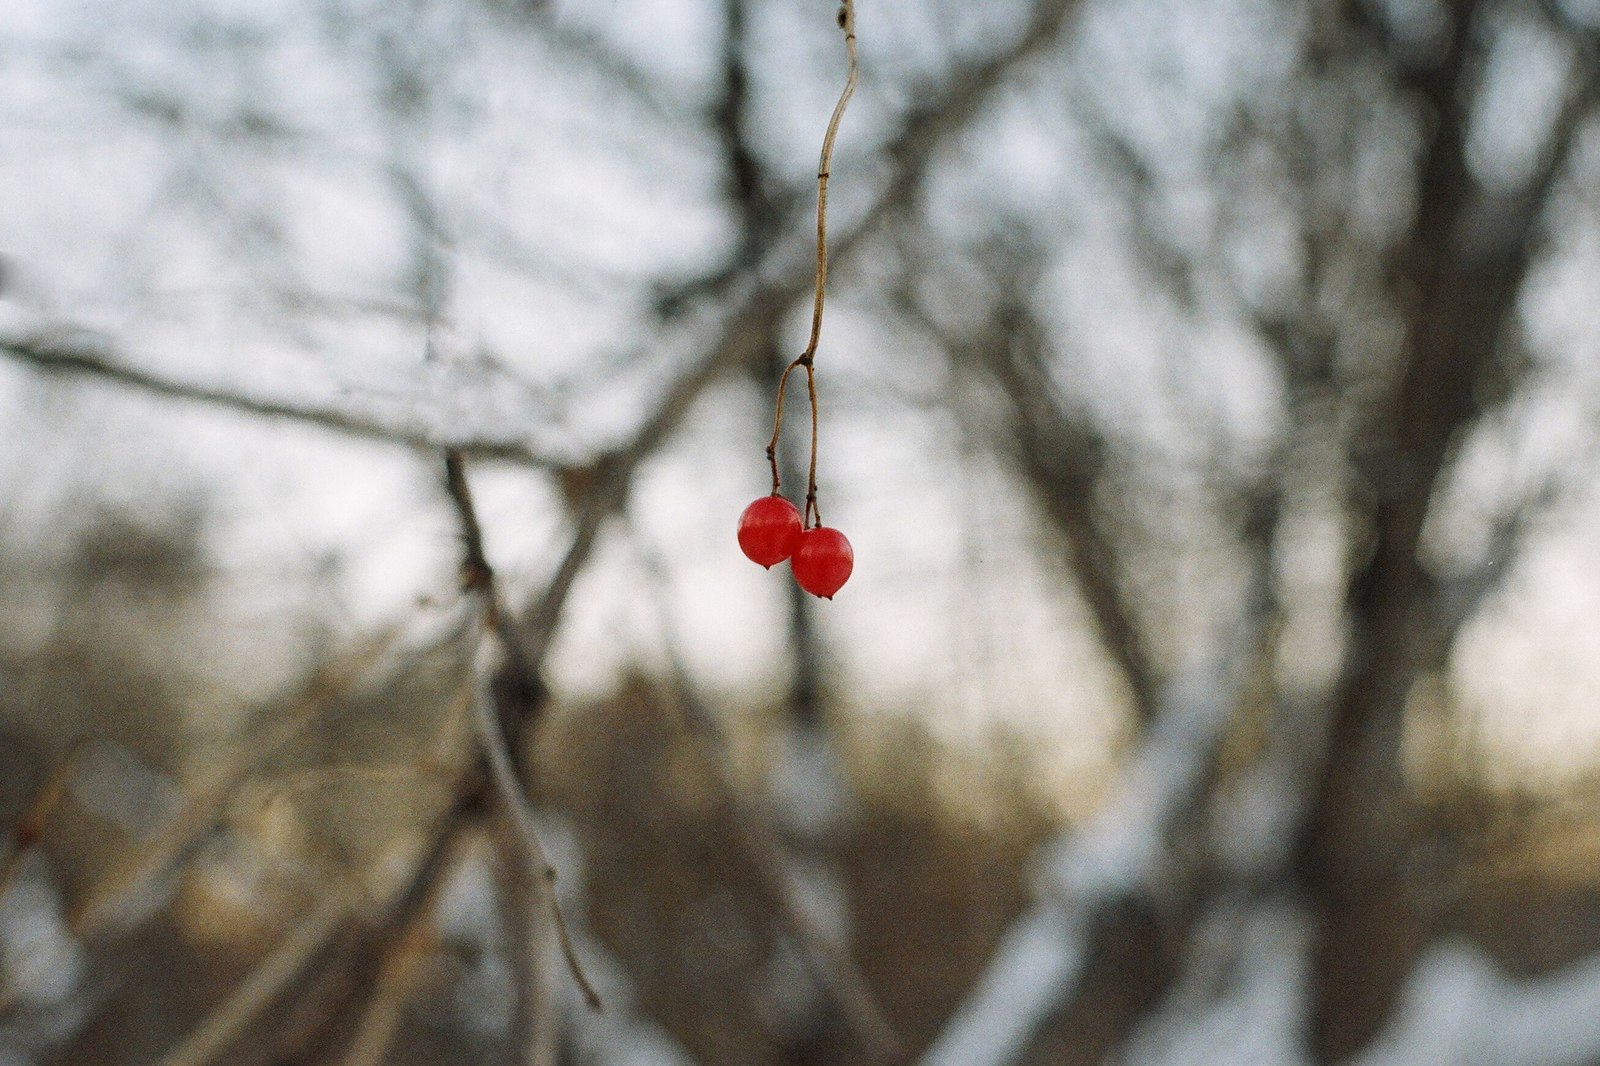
(813, 515)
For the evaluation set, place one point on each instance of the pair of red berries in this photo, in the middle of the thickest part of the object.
(770, 531)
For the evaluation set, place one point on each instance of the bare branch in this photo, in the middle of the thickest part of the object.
(479, 580)
(402, 966)
(509, 792)
(84, 357)
(30, 827)
(206, 800)
(345, 975)
(535, 1036)
(269, 982)
(1063, 458)
(731, 119)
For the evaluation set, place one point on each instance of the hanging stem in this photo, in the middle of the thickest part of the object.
(813, 512)
(777, 426)
(847, 22)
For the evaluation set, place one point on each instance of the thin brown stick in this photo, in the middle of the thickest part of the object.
(847, 22)
(477, 576)
(529, 935)
(813, 509)
(476, 573)
(777, 426)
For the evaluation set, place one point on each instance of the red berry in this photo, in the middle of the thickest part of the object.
(769, 530)
(823, 561)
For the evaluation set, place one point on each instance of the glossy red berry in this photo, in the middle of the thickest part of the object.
(823, 561)
(769, 530)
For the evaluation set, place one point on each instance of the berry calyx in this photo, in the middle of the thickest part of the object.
(769, 530)
(823, 561)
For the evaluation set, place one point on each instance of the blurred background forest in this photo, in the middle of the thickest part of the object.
(1210, 389)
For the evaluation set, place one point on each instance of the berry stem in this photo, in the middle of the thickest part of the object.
(777, 425)
(847, 22)
(813, 514)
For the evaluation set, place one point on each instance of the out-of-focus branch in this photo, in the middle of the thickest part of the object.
(206, 801)
(402, 966)
(1062, 457)
(642, 89)
(478, 579)
(1458, 273)
(271, 981)
(534, 1035)
(508, 791)
(321, 939)
(82, 356)
(946, 113)
(344, 976)
(1459, 599)
(731, 118)
(30, 827)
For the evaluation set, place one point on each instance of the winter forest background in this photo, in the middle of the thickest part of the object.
(1210, 389)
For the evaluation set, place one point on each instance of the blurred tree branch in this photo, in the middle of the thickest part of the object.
(1062, 456)
(79, 356)
(126, 889)
(535, 1031)
(25, 835)
(276, 977)
(479, 582)
(1458, 272)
